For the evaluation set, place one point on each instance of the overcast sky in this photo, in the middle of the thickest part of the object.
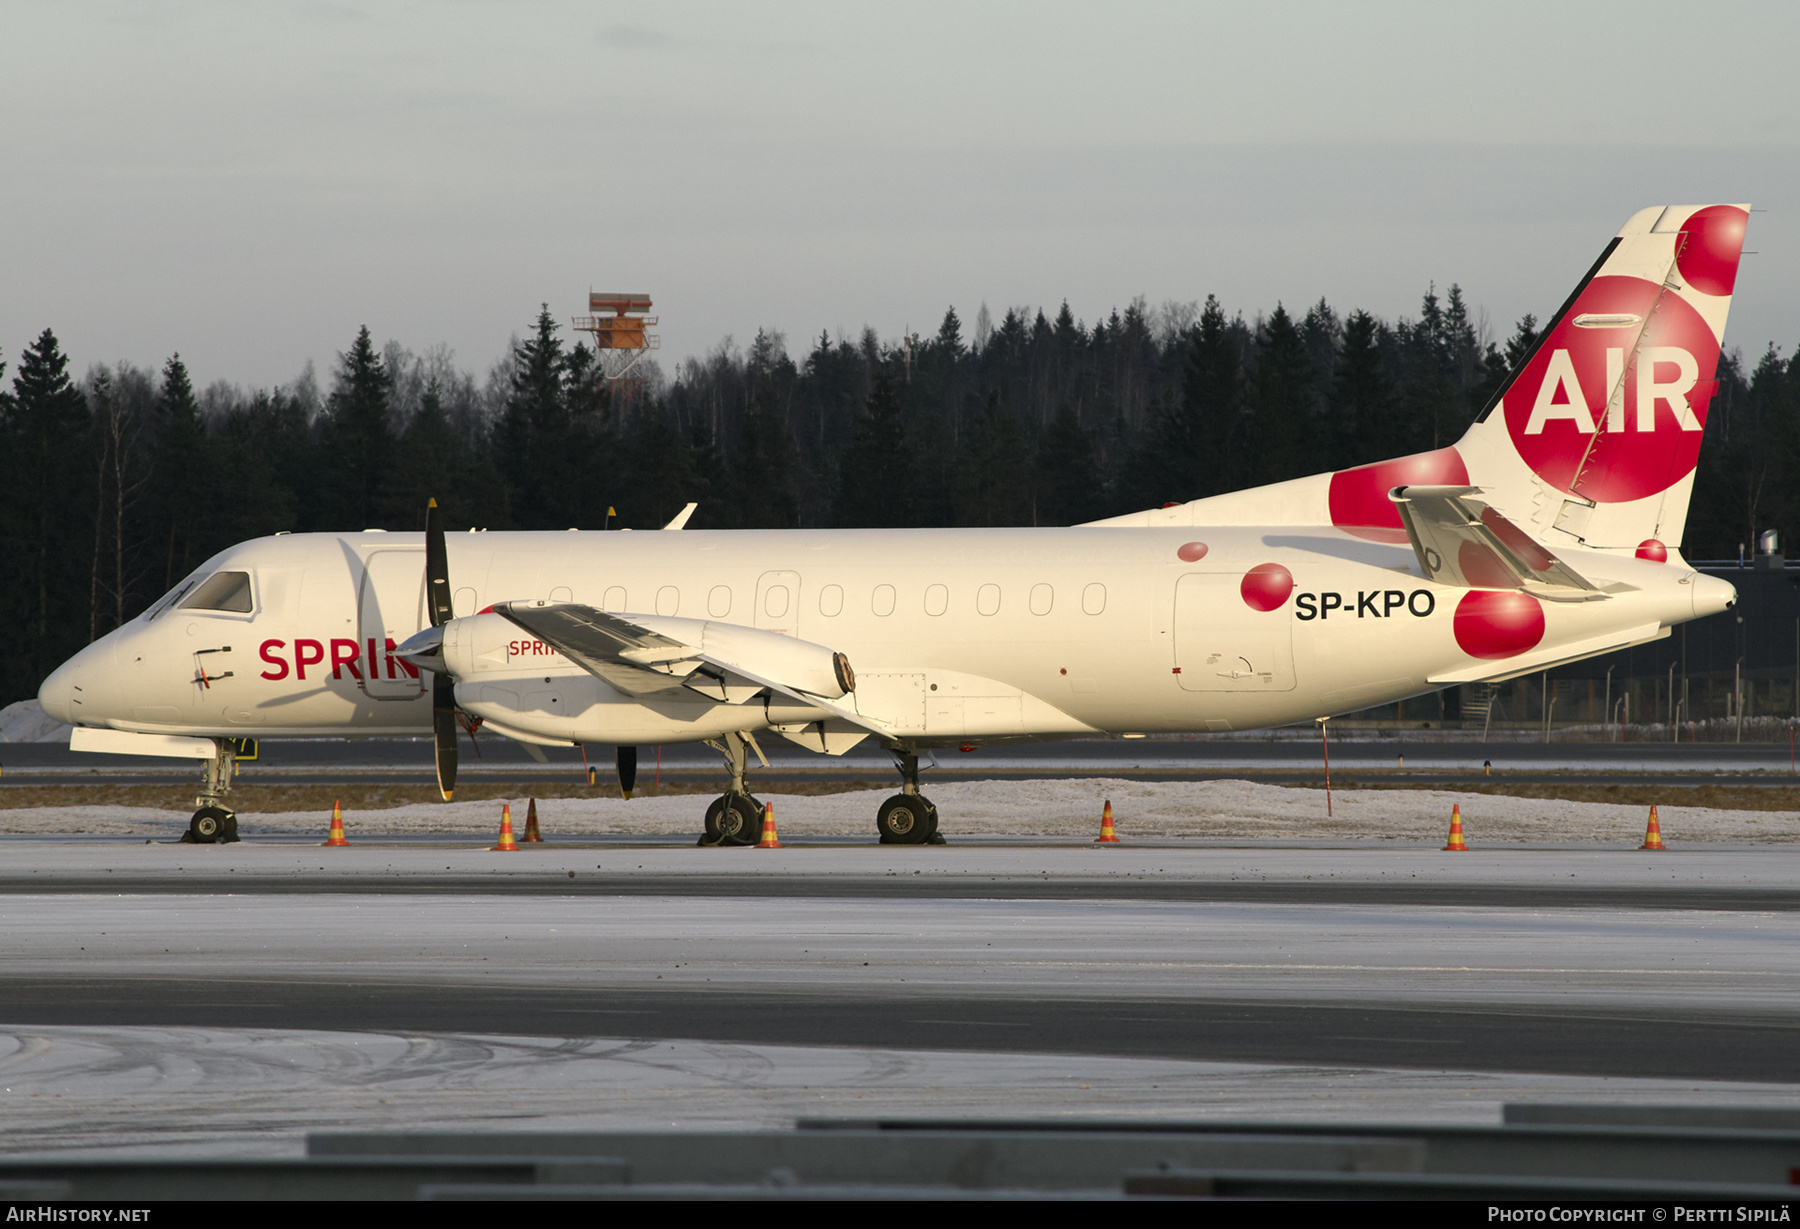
(248, 183)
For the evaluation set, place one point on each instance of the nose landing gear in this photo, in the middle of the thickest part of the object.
(214, 823)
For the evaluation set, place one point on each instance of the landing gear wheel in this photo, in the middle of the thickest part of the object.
(905, 819)
(735, 819)
(211, 826)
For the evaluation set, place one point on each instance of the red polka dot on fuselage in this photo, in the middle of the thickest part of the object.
(1192, 552)
(1498, 624)
(1266, 586)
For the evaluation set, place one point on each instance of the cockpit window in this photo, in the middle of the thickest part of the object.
(168, 600)
(222, 591)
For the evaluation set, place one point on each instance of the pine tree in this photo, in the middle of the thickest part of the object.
(45, 462)
(949, 337)
(359, 443)
(1192, 447)
(876, 476)
(1067, 482)
(1365, 421)
(994, 486)
(1281, 398)
(761, 491)
(532, 436)
(180, 462)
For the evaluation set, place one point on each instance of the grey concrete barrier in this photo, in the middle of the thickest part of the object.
(960, 1159)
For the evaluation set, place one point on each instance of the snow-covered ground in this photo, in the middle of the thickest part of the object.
(1202, 810)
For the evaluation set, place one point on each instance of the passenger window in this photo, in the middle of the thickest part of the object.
(987, 599)
(831, 600)
(937, 600)
(775, 601)
(613, 601)
(718, 602)
(222, 591)
(668, 600)
(1041, 597)
(1093, 599)
(883, 601)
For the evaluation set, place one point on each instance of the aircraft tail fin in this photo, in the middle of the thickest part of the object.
(1594, 439)
(1592, 442)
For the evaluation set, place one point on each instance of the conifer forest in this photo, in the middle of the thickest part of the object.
(119, 481)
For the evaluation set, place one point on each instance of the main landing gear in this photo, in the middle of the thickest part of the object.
(908, 818)
(213, 822)
(735, 818)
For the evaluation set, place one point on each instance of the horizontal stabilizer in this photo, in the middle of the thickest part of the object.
(1460, 540)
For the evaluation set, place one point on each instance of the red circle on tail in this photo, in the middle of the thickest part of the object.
(1560, 402)
(1653, 550)
(1358, 498)
(1709, 258)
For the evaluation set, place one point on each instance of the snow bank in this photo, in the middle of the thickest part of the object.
(25, 722)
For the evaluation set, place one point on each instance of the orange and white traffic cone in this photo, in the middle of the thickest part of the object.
(769, 839)
(507, 844)
(531, 829)
(1456, 840)
(1653, 834)
(337, 826)
(1107, 835)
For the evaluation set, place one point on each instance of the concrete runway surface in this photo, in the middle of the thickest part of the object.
(164, 995)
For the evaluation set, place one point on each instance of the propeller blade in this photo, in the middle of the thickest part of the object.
(627, 769)
(437, 568)
(443, 725)
(443, 687)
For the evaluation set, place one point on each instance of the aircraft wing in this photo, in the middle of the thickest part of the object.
(631, 658)
(1460, 540)
(640, 661)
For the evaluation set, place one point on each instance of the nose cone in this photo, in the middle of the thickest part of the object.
(424, 649)
(57, 696)
(80, 690)
(1711, 595)
(61, 694)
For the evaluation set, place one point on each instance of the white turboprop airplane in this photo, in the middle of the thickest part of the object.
(1547, 534)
